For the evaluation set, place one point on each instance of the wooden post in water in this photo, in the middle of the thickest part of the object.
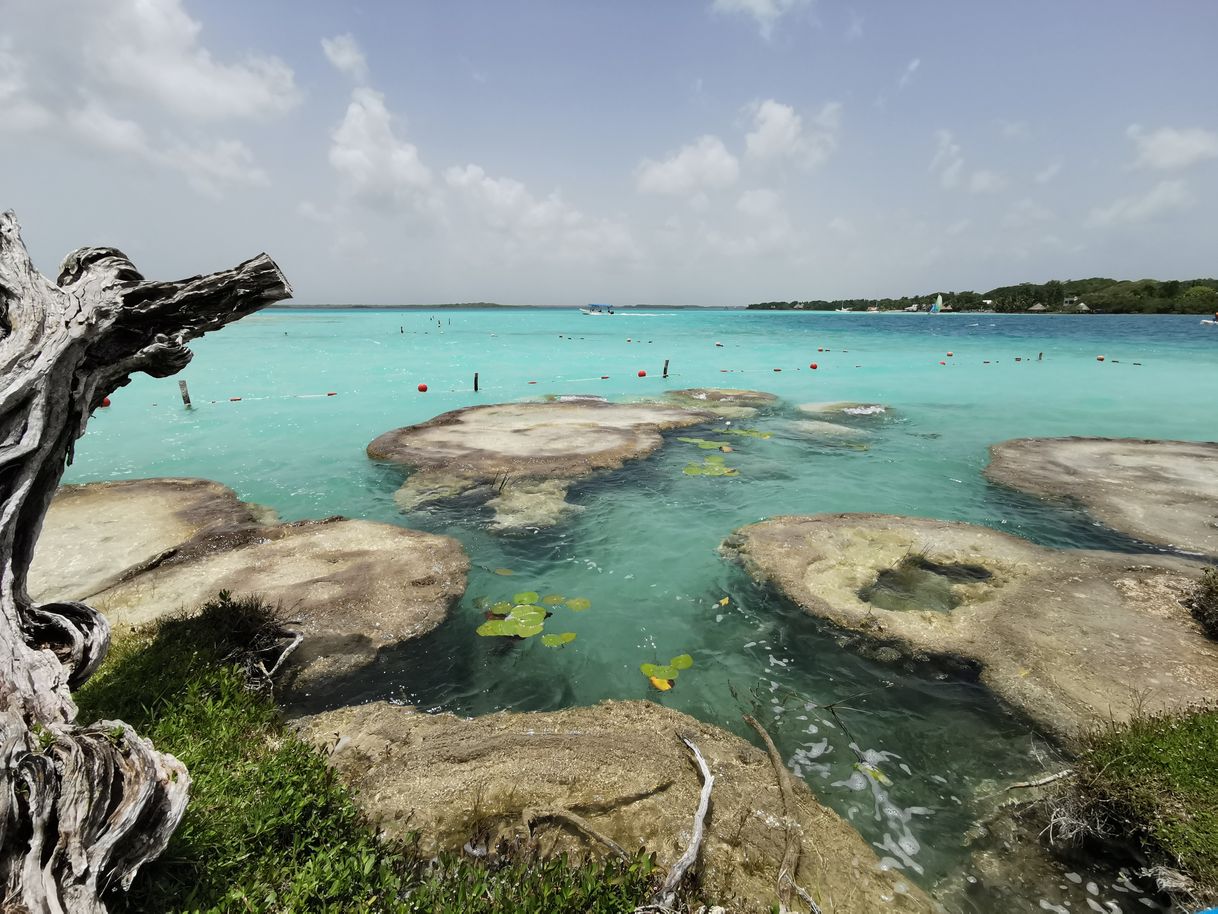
(475, 382)
(185, 393)
(666, 368)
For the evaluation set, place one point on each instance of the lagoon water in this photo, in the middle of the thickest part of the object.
(643, 549)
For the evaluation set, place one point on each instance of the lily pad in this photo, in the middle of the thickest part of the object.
(681, 662)
(579, 604)
(509, 628)
(527, 615)
(694, 469)
(714, 458)
(658, 671)
(502, 608)
(505, 572)
(708, 445)
(527, 597)
(552, 599)
(558, 640)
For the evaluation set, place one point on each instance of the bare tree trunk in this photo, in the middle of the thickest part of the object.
(81, 809)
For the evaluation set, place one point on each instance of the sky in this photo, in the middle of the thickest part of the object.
(712, 152)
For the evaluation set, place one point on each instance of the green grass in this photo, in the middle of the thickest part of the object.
(269, 828)
(1154, 779)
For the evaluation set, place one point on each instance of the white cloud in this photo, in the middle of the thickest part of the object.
(761, 203)
(910, 69)
(536, 226)
(948, 164)
(1026, 213)
(1164, 198)
(702, 165)
(374, 164)
(984, 181)
(97, 126)
(1048, 173)
(765, 12)
(151, 49)
(344, 53)
(1170, 148)
(948, 161)
(778, 133)
(18, 110)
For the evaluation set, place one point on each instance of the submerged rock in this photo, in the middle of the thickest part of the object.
(1069, 638)
(524, 456)
(725, 402)
(843, 407)
(622, 767)
(1159, 491)
(350, 587)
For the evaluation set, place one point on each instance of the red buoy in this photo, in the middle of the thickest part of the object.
(422, 388)
(105, 401)
(813, 366)
(642, 373)
(820, 349)
(943, 363)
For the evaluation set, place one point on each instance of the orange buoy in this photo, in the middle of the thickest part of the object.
(813, 366)
(105, 401)
(422, 388)
(642, 373)
(1099, 358)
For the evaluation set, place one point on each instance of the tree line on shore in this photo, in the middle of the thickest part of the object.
(1140, 296)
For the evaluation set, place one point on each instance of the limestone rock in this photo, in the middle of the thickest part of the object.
(619, 765)
(1162, 492)
(1068, 638)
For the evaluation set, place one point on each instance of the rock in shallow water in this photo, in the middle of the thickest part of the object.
(524, 456)
(1069, 638)
(1163, 492)
(164, 546)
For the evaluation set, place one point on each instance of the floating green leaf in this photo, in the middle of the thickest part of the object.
(527, 615)
(579, 604)
(509, 628)
(552, 599)
(708, 445)
(526, 596)
(656, 671)
(681, 662)
(694, 469)
(558, 640)
(505, 572)
(502, 608)
(714, 458)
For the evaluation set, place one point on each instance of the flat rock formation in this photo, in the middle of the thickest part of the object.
(1163, 492)
(725, 402)
(1068, 638)
(162, 546)
(843, 408)
(620, 766)
(524, 456)
(95, 533)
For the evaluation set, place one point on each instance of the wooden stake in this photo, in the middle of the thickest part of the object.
(666, 368)
(185, 393)
(475, 382)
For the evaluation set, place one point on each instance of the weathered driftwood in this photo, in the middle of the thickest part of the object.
(665, 898)
(80, 808)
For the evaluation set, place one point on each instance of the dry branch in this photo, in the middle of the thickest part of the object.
(529, 816)
(81, 809)
(667, 894)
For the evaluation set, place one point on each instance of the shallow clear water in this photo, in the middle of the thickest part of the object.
(644, 548)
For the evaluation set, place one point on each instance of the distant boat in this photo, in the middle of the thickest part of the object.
(842, 310)
(597, 310)
(938, 305)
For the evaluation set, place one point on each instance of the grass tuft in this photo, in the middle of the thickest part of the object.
(269, 827)
(1204, 602)
(1153, 780)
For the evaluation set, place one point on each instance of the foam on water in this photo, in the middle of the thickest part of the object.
(909, 758)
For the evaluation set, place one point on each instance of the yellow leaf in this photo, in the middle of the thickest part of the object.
(725, 601)
(505, 572)
(662, 684)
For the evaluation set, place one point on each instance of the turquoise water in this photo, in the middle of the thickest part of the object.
(644, 548)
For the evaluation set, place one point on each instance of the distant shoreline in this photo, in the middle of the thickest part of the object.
(491, 306)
